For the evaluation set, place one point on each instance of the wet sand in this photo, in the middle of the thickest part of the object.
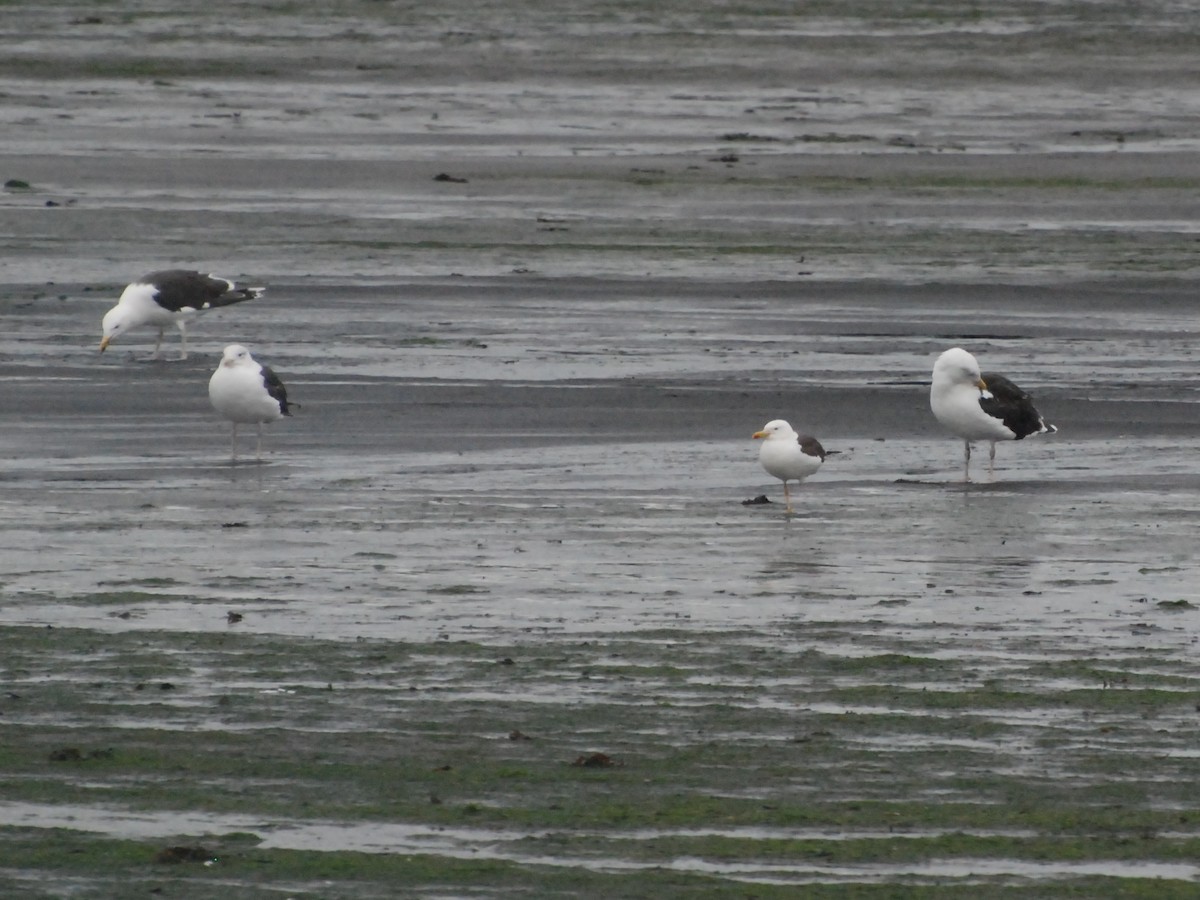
(510, 503)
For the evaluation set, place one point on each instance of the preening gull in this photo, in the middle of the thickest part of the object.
(787, 455)
(981, 407)
(170, 297)
(246, 393)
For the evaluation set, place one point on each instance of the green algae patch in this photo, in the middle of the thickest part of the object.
(217, 864)
(718, 746)
(1176, 605)
(126, 597)
(213, 865)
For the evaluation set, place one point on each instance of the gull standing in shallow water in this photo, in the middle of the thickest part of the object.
(979, 407)
(170, 297)
(245, 392)
(787, 455)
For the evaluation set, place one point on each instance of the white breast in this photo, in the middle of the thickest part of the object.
(238, 393)
(957, 407)
(786, 461)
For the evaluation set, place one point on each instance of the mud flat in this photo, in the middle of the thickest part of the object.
(491, 619)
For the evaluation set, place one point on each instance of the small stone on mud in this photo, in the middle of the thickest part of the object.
(518, 735)
(757, 501)
(442, 176)
(74, 754)
(596, 761)
(182, 854)
(232, 617)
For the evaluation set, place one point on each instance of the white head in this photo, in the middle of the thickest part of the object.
(955, 367)
(129, 312)
(776, 429)
(236, 355)
(115, 321)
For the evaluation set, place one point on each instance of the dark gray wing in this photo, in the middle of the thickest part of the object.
(180, 289)
(810, 446)
(276, 389)
(1013, 406)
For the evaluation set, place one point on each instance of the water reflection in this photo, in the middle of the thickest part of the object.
(983, 539)
(907, 545)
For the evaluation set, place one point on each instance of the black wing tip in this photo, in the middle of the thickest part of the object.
(238, 295)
